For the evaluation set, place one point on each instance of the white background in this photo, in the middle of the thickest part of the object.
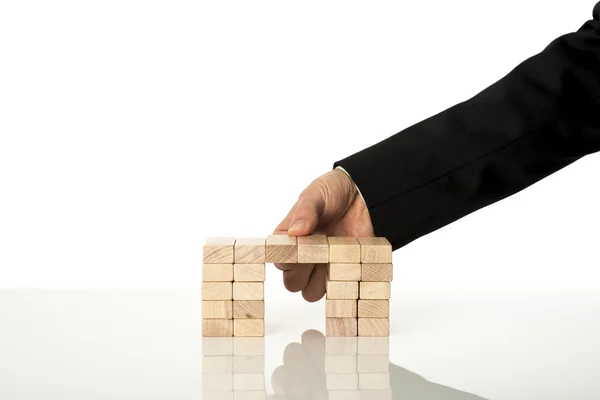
(132, 130)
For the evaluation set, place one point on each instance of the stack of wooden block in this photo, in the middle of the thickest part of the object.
(358, 287)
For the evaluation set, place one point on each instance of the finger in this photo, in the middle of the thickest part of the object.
(315, 289)
(309, 208)
(285, 224)
(297, 278)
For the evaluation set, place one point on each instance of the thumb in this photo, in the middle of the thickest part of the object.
(308, 210)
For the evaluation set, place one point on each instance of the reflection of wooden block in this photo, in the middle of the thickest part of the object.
(340, 308)
(248, 291)
(248, 309)
(344, 395)
(250, 251)
(217, 272)
(217, 327)
(282, 249)
(374, 345)
(248, 364)
(248, 327)
(340, 364)
(374, 381)
(217, 346)
(248, 382)
(250, 395)
(377, 272)
(373, 308)
(217, 291)
(375, 394)
(342, 381)
(337, 290)
(217, 365)
(313, 249)
(375, 290)
(218, 250)
(371, 363)
(373, 327)
(344, 272)
(225, 395)
(344, 250)
(375, 250)
(249, 272)
(249, 346)
(341, 346)
(221, 309)
(217, 382)
(341, 327)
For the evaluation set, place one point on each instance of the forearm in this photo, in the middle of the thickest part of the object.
(542, 116)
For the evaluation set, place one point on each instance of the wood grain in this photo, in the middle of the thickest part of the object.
(373, 327)
(375, 250)
(249, 272)
(222, 309)
(373, 308)
(217, 272)
(374, 290)
(218, 250)
(344, 272)
(377, 272)
(281, 249)
(248, 327)
(217, 327)
(313, 249)
(217, 291)
(248, 309)
(249, 251)
(340, 309)
(337, 290)
(341, 327)
(343, 250)
(248, 291)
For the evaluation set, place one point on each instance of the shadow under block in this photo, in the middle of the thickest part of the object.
(248, 291)
(375, 250)
(373, 308)
(248, 327)
(373, 327)
(218, 250)
(341, 326)
(373, 363)
(281, 249)
(217, 291)
(249, 251)
(374, 381)
(219, 309)
(377, 272)
(217, 272)
(340, 309)
(337, 290)
(344, 250)
(344, 272)
(375, 290)
(249, 272)
(244, 309)
(217, 327)
(313, 249)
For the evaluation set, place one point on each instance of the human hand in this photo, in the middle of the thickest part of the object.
(332, 206)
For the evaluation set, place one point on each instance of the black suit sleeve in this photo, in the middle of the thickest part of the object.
(542, 116)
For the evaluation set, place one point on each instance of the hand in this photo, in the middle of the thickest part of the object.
(332, 206)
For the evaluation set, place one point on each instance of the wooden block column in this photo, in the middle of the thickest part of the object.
(249, 287)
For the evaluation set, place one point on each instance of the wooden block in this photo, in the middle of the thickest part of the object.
(373, 308)
(217, 272)
(313, 249)
(217, 291)
(374, 381)
(217, 327)
(377, 272)
(249, 346)
(226, 395)
(337, 290)
(217, 382)
(375, 250)
(373, 327)
(248, 291)
(374, 345)
(375, 290)
(217, 365)
(344, 395)
(248, 364)
(250, 395)
(248, 382)
(340, 309)
(344, 250)
(249, 272)
(250, 251)
(372, 363)
(347, 346)
(248, 327)
(341, 327)
(376, 394)
(217, 346)
(248, 309)
(220, 309)
(340, 364)
(218, 251)
(281, 249)
(344, 272)
(342, 381)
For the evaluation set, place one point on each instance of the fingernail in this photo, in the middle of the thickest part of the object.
(297, 226)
